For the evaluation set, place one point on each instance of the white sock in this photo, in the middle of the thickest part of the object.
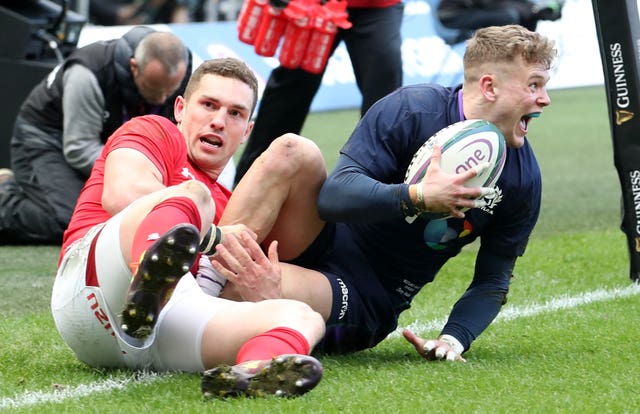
(210, 281)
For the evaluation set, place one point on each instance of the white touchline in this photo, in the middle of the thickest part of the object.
(40, 397)
(507, 314)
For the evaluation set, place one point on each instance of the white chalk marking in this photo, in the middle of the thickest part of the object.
(30, 398)
(509, 313)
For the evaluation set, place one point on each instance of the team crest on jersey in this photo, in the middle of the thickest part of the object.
(492, 201)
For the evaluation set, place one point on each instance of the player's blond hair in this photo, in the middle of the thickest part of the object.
(226, 67)
(504, 44)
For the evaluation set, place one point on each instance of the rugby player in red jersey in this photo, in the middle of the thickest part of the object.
(145, 219)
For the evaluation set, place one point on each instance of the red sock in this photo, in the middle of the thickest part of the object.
(161, 218)
(277, 341)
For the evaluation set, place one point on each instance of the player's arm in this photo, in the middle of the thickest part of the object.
(81, 129)
(350, 194)
(483, 299)
(128, 175)
(474, 311)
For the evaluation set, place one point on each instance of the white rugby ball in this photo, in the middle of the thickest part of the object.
(464, 145)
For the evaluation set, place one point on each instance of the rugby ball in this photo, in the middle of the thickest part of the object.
(464, 145)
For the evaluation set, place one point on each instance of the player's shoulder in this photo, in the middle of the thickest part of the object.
(427, 91)
(159, 120)
(418, 101)
(153, 126)
(147, 130)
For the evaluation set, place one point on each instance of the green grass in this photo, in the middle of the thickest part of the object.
(571, 346)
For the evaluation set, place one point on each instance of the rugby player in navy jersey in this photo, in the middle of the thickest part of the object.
(376, 250)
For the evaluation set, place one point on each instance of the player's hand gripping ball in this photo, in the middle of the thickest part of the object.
(464, 145)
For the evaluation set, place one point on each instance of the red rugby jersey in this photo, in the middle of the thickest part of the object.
(161, 141)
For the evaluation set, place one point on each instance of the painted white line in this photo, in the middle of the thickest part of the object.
(40, 397)
(507, 314)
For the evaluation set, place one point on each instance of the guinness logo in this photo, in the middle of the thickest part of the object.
(623, 116)
(637, 244)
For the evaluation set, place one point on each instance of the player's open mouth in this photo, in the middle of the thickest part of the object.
(211, 141)
(524, 121)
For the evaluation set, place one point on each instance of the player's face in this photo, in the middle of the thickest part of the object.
(154, 84)
(520, 96)
(215, 121)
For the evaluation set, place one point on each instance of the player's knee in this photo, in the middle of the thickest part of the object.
(303, 318)
(199, 193)
(292, 154)
(195, 190)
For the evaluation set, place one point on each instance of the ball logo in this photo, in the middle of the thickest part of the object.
(473, 147)
(464, 145)
(474, 153)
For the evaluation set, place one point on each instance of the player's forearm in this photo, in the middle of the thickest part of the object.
(484, 298)
(349, 195)
(473, 313)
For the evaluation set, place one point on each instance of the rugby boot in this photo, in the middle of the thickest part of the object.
(160, 268)
(283, 376)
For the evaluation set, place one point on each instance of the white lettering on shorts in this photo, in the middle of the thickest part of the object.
(345, 298)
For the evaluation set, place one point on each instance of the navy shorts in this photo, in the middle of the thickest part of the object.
(362, 314)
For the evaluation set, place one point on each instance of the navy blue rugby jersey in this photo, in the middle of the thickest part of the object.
(407, 254)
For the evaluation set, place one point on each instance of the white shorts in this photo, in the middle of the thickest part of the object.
(86, 311)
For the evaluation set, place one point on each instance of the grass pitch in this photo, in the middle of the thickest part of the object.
(564, 343)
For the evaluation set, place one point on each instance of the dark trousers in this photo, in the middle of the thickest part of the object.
(373, 44)
(501, 14)
(37, 206)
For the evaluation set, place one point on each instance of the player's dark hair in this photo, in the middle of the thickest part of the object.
(226, 67)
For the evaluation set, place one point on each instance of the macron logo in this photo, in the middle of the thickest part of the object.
(153, 236)
(187, 174)
(345, 298)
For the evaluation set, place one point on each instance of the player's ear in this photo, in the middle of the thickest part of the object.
(178, 108)
(488, 86)
(247, 132)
